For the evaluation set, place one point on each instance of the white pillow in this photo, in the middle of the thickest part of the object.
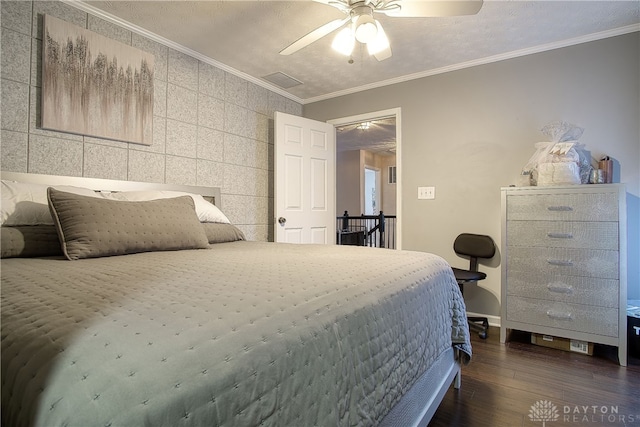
(207, 212)
(27, 204)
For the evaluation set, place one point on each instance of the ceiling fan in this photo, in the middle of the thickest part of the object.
(361, 25)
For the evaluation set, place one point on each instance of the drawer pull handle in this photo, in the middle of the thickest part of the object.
(560, 235)
(559, 315)
(560, 208)
(560, 262)
(560, 288)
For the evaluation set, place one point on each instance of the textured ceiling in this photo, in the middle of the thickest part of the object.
(247, 36)
(379, 136)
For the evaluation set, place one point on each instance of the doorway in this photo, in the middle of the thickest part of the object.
(371, 191)
(362, 202)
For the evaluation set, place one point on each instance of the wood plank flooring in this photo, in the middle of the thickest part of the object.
(505, 382)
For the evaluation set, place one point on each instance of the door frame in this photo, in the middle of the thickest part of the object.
(373, 116)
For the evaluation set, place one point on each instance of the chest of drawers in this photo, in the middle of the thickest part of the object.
(564, 263)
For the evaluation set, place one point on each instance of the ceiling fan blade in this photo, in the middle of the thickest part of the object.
(342, 5)
(379, 47)
(433, 8)
(383, 54)
(314, 35)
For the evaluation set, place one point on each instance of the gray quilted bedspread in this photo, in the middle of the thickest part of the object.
(241, 334)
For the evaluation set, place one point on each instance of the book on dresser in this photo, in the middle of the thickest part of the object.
(564, 268)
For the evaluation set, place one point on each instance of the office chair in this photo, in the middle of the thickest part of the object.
(474, 246)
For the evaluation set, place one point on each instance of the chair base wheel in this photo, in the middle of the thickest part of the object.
(480, 325)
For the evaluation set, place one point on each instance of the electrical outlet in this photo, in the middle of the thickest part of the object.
(426, 193)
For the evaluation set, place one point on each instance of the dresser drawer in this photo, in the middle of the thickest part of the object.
(571, 289)
(563, 207)
(572, 317)
(559, 234)
(560, 261)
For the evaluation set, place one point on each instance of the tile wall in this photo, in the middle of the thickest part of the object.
(211, 127)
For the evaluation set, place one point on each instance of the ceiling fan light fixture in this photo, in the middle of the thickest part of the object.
(344, 41)
(380, 42)
(366, 28)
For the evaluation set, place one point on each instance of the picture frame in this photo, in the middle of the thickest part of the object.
(95, 86)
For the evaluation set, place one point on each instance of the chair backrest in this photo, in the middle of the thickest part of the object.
(474, 246)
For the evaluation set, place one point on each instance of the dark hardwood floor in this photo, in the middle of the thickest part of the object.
(505, 383)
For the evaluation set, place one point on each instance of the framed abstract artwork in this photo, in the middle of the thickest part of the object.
(95, 86)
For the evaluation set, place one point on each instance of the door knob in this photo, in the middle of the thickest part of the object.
(282, 220)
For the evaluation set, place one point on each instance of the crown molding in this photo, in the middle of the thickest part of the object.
(482, 61)
(79, 4)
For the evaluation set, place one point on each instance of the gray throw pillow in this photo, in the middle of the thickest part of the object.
(26, 241)
(222, 233)
(90, 227)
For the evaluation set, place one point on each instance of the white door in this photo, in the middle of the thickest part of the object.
(304, 180)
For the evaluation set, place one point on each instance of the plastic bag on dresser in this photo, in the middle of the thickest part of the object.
(559, 161)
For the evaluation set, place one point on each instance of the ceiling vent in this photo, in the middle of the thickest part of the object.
(282, 80)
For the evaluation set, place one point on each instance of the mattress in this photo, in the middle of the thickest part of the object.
(243, 334)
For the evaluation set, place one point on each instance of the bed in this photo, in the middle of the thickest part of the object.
(228, 332)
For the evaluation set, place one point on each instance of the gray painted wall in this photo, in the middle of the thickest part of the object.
(470, 132)
(210, 127)
(389, 191)
(349, 166)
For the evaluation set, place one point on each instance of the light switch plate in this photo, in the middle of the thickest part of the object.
(426, 193)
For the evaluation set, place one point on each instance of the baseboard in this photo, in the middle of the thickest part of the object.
(493, 320)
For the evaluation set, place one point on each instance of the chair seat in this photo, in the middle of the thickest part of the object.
(468, 276)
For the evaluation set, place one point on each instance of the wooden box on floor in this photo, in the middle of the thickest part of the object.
(566, 344)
